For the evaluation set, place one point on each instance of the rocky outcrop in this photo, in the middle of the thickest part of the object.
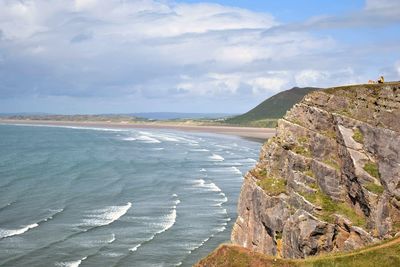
(330, 178)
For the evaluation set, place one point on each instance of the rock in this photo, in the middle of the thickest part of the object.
(339, 153)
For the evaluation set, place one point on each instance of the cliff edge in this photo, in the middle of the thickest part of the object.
(330, 179)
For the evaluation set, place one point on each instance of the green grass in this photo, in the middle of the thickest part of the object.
(374, 188)
(273, 186)
(332, 163)
(380, 255)
(302, 151)
(358, 136)
(310, 173)
(331, 207)
(303, 140)
(372, 169)
(297, 121)
(274, 107)
(329, 133)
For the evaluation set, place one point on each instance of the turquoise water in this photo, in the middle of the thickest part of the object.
(101, 197)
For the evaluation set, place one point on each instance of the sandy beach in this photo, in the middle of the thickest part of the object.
(257, 134)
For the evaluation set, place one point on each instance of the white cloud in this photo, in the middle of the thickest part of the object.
(161, 49)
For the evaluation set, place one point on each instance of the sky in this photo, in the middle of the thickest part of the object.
(225, 56)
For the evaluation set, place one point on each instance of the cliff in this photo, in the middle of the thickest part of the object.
(330, 179)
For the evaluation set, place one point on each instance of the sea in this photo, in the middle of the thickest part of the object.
(76, 196)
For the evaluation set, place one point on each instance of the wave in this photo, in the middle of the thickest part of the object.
(129, 139)
(208, 186)
(71, 263)
(106, 216)
(8, 233)
(4, 233)
(168, 221)
(135, 247)
(112, 239)
(199, 150)
(148, 139)
(216, 157)
(236, 170)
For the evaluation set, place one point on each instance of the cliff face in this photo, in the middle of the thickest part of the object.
(330, 178)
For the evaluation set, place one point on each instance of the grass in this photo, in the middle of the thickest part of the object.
(310, 173)
(385, 254)
(273, 186)
(329, 133)
(372, 169)
(374, 188)
(331, 207)
(297, 121)
(271, 109)
(358, 136)
(301, 150)
(332, 163)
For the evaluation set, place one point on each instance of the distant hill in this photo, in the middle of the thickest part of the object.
(180, 116)
(275, 107)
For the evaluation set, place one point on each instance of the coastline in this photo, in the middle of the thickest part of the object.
(251, 133)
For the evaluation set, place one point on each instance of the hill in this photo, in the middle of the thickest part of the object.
(273, 108)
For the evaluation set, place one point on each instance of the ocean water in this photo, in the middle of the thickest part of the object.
(73, 196)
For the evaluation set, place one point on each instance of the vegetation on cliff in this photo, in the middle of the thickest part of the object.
(269, 111)
(384, 254)
(337, 157)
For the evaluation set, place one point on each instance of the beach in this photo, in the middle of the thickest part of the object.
(256, 134)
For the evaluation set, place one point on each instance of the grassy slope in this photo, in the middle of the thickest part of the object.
(382, 255)
(275, 107)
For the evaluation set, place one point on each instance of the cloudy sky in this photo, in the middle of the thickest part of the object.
(124, 56)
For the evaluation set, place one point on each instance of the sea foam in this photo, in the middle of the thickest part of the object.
(216, 157)
(71, 263)
(4, 233)
(106, 216)
(8, 233)
(207, 186)
(167, 222)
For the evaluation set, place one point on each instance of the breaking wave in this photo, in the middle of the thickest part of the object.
(167, 223)
(4, 233)
(71, 263)
(106, 216)
(216, 157)
(207, 186)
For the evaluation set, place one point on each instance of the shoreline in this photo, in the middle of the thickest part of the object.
(251, 133)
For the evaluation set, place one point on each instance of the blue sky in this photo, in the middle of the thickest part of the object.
(125, 56)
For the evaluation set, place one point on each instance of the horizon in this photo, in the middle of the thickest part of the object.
(222, 56)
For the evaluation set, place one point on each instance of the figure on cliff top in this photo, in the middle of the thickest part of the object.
(380, 80)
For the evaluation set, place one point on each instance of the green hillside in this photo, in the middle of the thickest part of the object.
(385, 254)
(275, 107)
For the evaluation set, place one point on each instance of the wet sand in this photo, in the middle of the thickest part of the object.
(256, 134)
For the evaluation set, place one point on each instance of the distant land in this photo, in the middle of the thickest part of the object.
(269, 111)
(140, 115)
(180, 116)
(264, 115)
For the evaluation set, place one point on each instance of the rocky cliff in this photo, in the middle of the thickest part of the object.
(330, 178)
